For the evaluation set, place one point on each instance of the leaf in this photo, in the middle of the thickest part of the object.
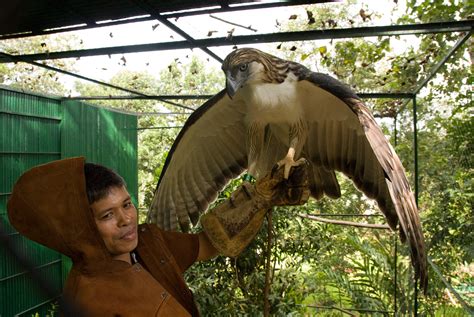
(322, 50)
(230, 34)
(332, 23)
(364, 15)
(310, 17)
(293, 17)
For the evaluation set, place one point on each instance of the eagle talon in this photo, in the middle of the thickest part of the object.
(288, 163)
(301, 161)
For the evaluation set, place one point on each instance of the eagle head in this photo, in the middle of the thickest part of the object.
(246, 66)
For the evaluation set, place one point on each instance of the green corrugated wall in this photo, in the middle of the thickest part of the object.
(37, 129)
(102, 136)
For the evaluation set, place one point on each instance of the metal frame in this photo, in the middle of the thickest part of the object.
(465, 26)
(223, 7)
(311, 35)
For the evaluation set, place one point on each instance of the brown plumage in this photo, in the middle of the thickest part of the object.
(272, 111)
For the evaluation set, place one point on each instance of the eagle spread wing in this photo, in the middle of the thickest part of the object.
(273, 109)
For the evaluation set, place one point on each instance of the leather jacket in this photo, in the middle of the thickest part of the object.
(49, 205)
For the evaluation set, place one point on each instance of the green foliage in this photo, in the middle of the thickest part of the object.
(191, 78)
(438, 10)
(34, 78)
(312, 263)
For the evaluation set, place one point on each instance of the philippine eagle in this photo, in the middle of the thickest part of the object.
(278, 111)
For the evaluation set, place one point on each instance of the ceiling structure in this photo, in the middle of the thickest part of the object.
(24, 18)
(37, 17)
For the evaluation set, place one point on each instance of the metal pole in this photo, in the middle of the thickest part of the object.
(415, 295)
(415, 148)
(395, 132)
(415, 145)
(395, 276)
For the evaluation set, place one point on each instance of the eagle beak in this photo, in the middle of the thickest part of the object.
(231, 86)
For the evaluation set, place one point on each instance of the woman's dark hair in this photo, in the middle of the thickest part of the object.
(99, 181)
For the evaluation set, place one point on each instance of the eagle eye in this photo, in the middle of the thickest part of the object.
(243, 67)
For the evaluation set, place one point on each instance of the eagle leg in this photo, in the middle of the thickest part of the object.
(297, 138)
(255, 144)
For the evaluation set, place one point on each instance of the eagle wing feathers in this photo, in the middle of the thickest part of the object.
(205, 156)
(344, 136)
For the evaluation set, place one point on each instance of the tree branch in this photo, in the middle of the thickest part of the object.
(266, 291)
(342, 310)
(232, 23)
(345, 223)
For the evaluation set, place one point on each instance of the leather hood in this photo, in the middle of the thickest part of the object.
(49, 205)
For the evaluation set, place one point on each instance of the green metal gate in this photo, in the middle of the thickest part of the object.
(38, 129)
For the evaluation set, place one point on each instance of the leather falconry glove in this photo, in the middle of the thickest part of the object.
(233, 224)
